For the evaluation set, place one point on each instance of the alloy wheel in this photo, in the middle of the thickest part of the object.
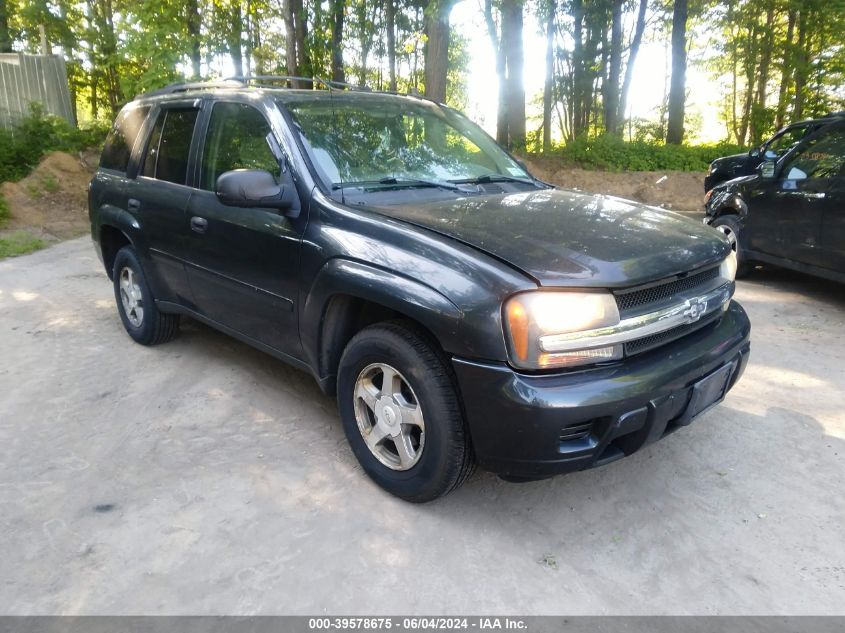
(131, 297)
(389, 416)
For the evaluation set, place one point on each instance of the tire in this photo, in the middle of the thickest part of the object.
(440, 457)
(141, 318)
(729, 226)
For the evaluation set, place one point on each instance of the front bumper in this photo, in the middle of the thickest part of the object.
(534, 426)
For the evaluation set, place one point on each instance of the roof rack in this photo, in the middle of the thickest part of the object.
(194, 85)
(259, 80)
(270, 81)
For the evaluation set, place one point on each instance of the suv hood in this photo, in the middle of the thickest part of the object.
(568, 238)
(733, 159)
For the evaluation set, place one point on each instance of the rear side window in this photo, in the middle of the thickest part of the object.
(166, 157)
(119, 142)
(237, 139)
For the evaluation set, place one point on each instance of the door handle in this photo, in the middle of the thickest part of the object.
(198, 224)
(133, 204)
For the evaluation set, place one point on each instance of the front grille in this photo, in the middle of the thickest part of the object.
(656, 340)
(576, 431)
(630, 300)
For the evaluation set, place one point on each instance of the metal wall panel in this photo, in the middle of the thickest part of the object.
(28, 78)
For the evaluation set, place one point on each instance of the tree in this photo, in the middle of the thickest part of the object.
(512, 22)
(677, 90)
(5, 34)
(437, 48)
(548, 84)
(338, 12)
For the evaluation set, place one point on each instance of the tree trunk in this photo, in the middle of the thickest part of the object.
(548, 86)
(290, 38)
(512, 21)
(337, 9)
(612, 120)
(786, 67)
(677, 90)
(235, 36)
(5, 35)
(390, 27)
(194, 23)
(501, 74)
(801, 63)
(764, 46)
(437, 49)
(578, 71)
(629, 67)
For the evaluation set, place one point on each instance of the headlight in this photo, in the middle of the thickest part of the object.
(534, 319)
(727, 269)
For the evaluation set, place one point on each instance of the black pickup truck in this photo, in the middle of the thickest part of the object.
(462, 311)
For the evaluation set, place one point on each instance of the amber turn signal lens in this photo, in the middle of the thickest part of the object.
(518, 321)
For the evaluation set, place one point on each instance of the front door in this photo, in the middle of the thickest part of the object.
(243, 264)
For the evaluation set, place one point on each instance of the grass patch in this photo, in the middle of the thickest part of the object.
(19, 243)
(611, 153)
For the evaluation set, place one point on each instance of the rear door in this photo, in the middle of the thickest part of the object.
(244, 262)
(160, 197)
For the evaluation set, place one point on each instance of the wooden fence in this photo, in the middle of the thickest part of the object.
(28, 78)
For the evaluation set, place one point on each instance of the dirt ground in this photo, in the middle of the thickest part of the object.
(51, 203)
(204, 477)
(681, 191)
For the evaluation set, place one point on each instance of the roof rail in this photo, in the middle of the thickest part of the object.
(194, 85)
(267, 81)
(259, 80)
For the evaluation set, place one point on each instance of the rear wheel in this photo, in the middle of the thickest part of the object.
(729, 226)
(136, 304)
(401, 413)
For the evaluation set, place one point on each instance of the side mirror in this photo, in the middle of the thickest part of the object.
(255, 188)
(767, 169)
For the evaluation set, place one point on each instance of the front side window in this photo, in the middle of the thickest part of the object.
(236, 139)
(118, 146)
(784, 142)
(822, 157)
(373, 140)
(167, 152)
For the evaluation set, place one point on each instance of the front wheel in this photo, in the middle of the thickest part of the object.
(136, 304)
(729, 227)
(401, 413)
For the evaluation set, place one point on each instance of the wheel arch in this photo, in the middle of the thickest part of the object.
(347, 296)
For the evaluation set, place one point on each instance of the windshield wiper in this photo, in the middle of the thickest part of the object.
(400, 182)
(487, 178)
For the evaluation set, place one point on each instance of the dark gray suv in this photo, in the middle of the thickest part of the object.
(462, 311)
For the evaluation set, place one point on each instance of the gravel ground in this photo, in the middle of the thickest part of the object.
(203, 477)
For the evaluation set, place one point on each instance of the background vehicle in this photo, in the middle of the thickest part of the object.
(729, 167)
(791, 213)
(460, 310)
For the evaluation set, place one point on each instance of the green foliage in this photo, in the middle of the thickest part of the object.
(39, 133)
(19, 243)
(5, 213)
(612, 153)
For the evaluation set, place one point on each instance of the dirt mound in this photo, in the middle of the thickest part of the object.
(681, 191)
(51, 202)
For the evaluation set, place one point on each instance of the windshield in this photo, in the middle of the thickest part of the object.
(393, 140)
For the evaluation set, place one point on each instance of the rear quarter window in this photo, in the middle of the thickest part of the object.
(121, 138)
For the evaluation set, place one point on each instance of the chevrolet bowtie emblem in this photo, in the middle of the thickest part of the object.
(695, 309)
